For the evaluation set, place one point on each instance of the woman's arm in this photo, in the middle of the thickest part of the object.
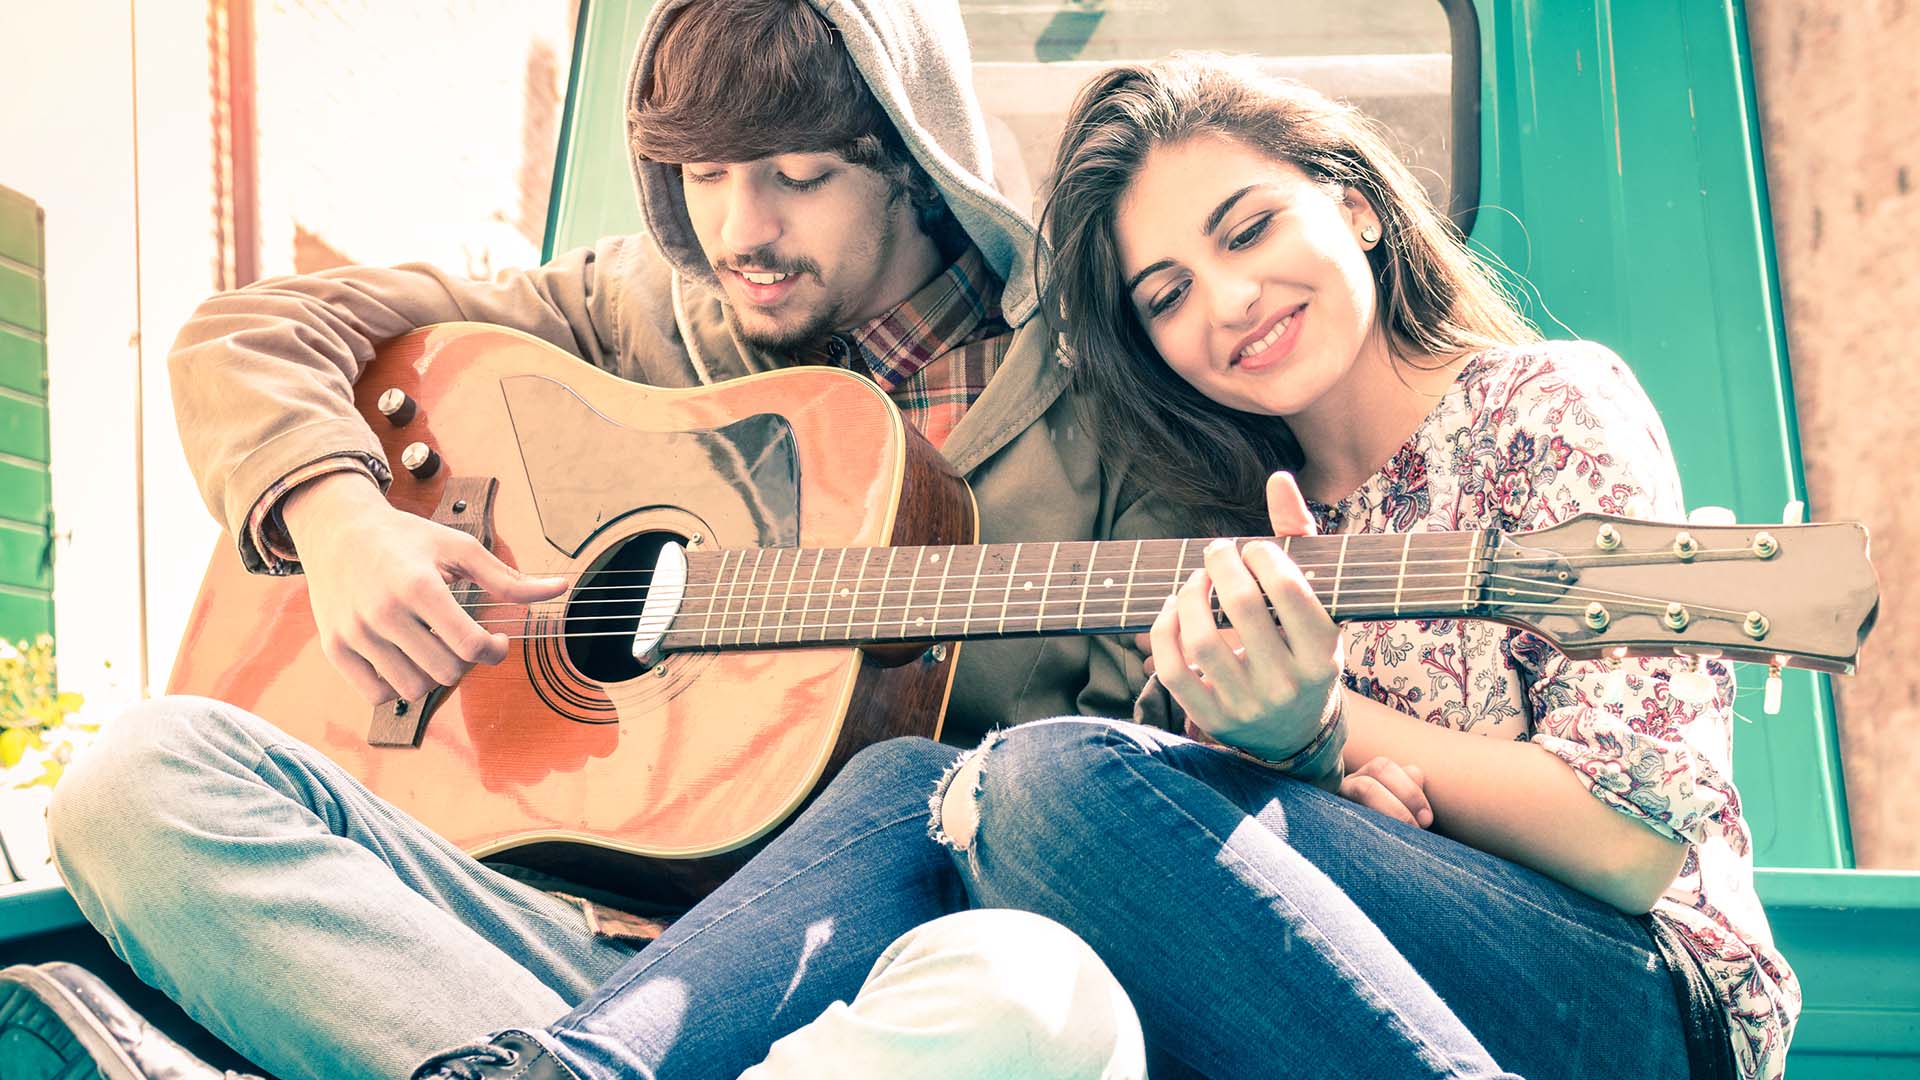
(1622, 770)
(1537, 814)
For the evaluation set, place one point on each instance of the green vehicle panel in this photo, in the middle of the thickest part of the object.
(1618, 176)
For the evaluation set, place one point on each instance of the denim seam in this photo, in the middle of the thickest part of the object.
(610, 990)
(1413, 1035)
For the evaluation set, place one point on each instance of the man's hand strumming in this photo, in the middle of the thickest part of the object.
(380, 583)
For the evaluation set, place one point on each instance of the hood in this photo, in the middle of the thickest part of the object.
(914, 57)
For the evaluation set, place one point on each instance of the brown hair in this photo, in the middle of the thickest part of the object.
(739, 80)
(1208, 460)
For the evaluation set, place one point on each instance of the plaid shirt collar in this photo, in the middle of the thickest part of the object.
(956, 308)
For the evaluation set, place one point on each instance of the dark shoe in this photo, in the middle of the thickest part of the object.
(56, 1016)
(512, 1055)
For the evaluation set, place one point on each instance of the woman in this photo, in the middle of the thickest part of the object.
(1252, 282)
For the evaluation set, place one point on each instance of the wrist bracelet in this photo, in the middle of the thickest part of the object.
(1331, 722)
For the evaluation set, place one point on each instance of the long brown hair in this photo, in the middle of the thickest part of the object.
(1207, 460)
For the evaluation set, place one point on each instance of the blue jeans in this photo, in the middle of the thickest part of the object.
(304, 921)
(1261, 926)
(1264, 927)
(324, 934)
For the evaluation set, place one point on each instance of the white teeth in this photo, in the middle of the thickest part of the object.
(1273, 335)
(765, 279)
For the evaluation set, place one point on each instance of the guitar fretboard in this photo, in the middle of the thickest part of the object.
(760, 597)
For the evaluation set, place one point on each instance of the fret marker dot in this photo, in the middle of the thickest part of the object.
(1028, 585)
(1107, 583)
(921, 621)
(933, 558)
(1309, 575)
(846, 592)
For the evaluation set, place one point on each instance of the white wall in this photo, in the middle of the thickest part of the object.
(452, 176)
(67, 140)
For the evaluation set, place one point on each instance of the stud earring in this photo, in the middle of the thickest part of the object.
(1369, 233)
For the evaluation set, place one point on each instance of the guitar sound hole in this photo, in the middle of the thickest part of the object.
(605, 607)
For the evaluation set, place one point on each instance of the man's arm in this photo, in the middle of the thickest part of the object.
(263, 376)
(263, 382)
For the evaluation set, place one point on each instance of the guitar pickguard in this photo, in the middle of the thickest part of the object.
(581, 469)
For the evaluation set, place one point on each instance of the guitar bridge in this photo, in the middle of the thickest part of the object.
(466, 504)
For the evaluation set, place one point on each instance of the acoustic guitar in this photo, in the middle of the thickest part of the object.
(770, 573)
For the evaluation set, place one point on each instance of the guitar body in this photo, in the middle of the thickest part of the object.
(567, 756)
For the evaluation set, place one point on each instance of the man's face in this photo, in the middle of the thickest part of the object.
(804, 244)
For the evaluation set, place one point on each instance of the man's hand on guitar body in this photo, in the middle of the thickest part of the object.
(380, 582)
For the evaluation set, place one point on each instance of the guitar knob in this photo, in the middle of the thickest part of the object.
(396, 406)
(420, 459)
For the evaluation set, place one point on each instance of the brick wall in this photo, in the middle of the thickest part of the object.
(1838, 83)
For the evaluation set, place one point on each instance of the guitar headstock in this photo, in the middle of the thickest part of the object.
(1597, 585)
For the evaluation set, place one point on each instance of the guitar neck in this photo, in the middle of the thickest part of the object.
(763, 597)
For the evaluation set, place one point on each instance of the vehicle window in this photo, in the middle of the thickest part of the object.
(1391, 58)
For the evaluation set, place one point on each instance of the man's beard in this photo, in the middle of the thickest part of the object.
(806, 339)
(810, 334)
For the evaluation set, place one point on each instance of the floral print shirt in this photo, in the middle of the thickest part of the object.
(1529, 436)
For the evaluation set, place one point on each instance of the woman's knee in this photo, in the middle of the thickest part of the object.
(1026, 774)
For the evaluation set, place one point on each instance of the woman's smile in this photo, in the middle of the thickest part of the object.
(1272, 342)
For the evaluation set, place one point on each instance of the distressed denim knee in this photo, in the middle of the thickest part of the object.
(1019, 774)
(953, 814)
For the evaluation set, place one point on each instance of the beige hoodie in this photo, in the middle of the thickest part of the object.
(262, 377)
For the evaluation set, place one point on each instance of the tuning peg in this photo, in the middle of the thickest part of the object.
(1794, 514)
(1711, 515)
(1771, 703)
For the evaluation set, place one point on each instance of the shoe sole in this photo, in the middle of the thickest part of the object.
(45, 1032)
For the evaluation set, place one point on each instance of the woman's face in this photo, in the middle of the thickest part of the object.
(1251, 279)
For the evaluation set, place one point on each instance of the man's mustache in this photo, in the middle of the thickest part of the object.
(766, 262)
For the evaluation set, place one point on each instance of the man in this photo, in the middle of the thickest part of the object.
(817, 190)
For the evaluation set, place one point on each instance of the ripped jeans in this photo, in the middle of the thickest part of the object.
(322, 933)
(1262, 927)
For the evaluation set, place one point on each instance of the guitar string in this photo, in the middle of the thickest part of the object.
(1127, 613)
(737, 586)
(875, 612)
(882, 591)
(881, 588)
(1544, 607)
(1575, 561)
